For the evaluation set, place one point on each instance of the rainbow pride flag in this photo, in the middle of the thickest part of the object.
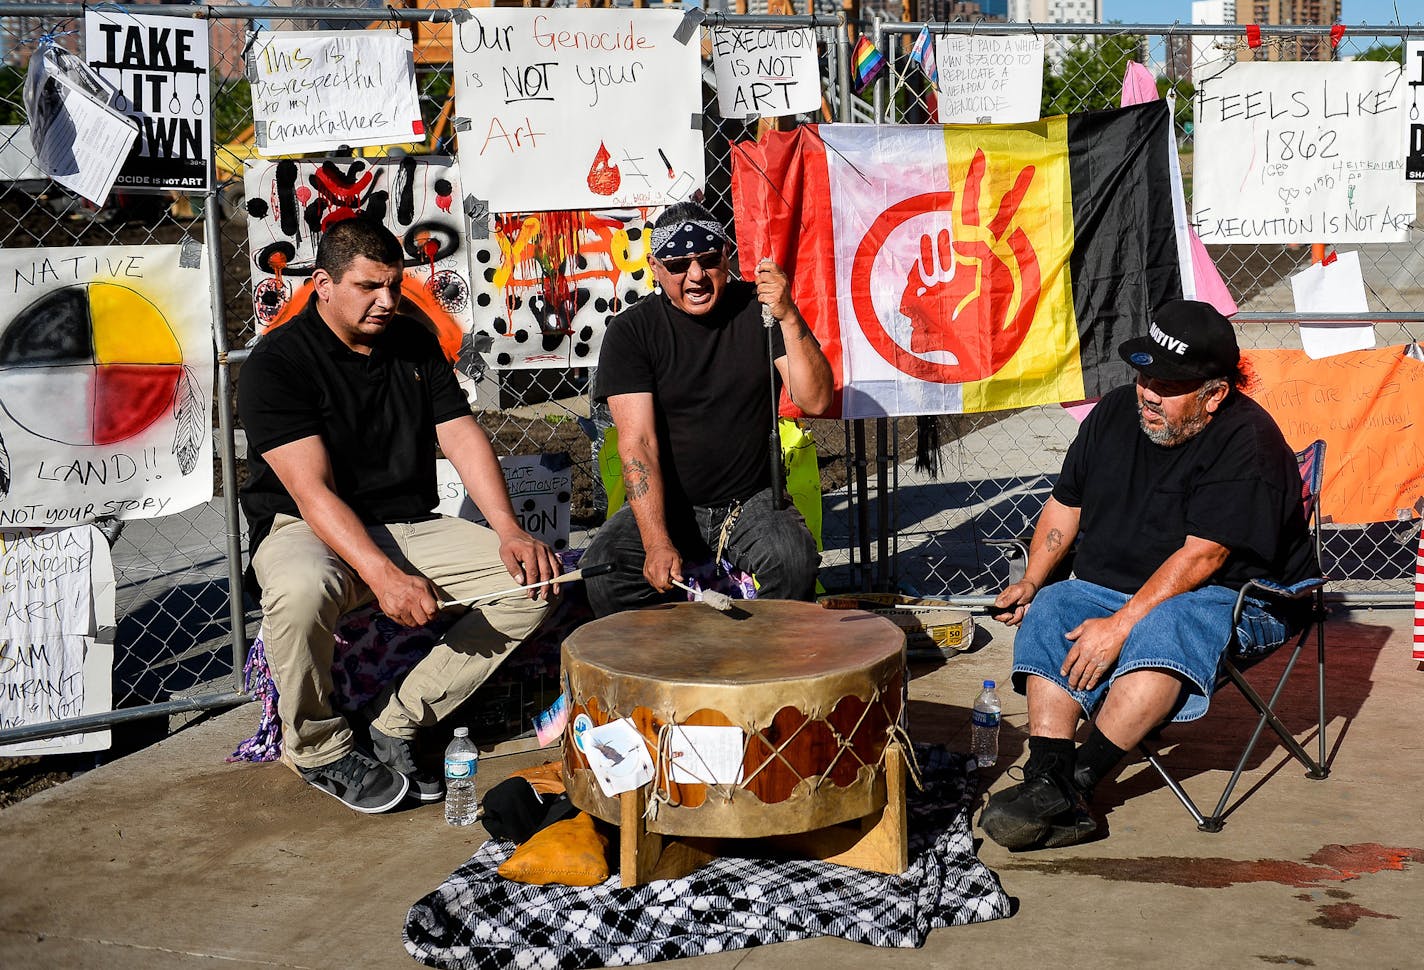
(867, 62)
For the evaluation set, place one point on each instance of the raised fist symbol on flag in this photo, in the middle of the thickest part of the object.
(972, 291)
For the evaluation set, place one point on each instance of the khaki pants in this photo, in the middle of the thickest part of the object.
(306, 588)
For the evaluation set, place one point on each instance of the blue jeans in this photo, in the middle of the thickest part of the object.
(773, 545)
(1185, 635)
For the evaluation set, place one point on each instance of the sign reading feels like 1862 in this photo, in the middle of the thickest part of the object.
(159, 66)
(1300, 153)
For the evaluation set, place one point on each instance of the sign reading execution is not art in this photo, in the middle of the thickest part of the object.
(105, 383)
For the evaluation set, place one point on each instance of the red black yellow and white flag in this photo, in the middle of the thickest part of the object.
(964, 268)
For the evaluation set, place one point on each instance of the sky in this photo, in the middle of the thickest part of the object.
(1353, 11)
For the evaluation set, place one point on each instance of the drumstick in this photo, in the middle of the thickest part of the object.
(720, 602)
(570, 577)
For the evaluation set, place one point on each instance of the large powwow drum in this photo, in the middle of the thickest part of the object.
(817, 695)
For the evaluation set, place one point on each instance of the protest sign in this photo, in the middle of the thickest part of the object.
(106, 363)
(50, 667)
(540, 488)
(763, 72)
(291, 203)
(577, 108)
(1363, 405)
(317, 91)
(989, 78)
(80, 141)
(546, 284)
(1301, 153)
(1414, 114)
(159, 66)
(1336, 286)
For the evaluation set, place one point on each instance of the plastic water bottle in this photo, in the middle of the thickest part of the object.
(462, 762)
(984, 729)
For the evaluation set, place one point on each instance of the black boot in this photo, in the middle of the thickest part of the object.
(1048, 809)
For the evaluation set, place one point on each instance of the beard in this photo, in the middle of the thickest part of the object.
(1170, 434)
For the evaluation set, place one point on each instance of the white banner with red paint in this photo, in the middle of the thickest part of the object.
(577, 108)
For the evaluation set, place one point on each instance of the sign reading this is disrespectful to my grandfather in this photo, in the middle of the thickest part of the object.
(315, 91)
(1301, 153)
(577, 108)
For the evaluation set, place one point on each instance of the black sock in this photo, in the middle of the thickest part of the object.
(1050, 756)
(1096, 759)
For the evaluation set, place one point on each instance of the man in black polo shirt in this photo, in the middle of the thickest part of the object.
(343, 407)
(685, 375)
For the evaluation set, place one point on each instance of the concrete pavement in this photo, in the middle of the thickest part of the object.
(171, 858)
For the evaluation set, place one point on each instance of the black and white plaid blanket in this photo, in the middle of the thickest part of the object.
(478, 919)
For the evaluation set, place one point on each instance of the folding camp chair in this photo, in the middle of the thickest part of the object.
(1234, 665)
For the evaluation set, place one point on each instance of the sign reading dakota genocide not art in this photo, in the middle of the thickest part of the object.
(159, 66)
(1301, 153)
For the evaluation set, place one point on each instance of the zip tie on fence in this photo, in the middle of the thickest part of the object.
(1253, 36)
(1337, 31)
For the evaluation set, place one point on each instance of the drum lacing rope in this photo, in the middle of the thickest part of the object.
(843, 744)
(662, 794)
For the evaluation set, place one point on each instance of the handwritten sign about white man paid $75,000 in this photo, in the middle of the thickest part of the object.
(1301, 153)
(577, 108)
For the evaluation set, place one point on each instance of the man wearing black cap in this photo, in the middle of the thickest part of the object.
(686, 377)
(1178, 489)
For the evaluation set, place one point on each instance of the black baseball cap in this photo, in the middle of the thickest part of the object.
(1186, 340)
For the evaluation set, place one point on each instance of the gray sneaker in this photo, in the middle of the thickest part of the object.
(359, 781)
(397, 753)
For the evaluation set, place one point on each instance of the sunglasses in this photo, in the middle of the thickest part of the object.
(679, 265)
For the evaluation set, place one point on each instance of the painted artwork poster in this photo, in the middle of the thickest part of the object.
(106, 383)
(552, 106)
(291, 203)
(546, 284)
(159, 67)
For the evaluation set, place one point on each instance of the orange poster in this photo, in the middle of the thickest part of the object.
(1368, 406)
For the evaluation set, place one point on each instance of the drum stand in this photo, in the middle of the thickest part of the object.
(876, 843)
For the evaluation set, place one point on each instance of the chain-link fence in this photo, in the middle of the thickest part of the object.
(183, 623)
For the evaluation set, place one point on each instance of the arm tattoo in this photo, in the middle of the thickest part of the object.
(1053, 541)
(635, 478)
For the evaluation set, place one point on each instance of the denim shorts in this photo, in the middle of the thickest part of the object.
(1185, 635)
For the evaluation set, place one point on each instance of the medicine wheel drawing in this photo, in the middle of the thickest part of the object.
(93, 364)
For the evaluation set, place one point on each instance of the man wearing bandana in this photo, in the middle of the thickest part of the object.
(686, 379)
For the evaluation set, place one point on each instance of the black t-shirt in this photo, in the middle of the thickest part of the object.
(709, 377)
(1235, 483)
(376, 414)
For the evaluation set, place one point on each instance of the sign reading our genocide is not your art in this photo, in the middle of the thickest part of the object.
(577, 108)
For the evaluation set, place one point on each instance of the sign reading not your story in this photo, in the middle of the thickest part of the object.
(577, 108)
(314, 91)
(1301, 153)
(764, 72)
(159, 66)
(106, 372)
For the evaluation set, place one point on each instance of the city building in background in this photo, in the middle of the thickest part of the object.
(1316, 13)
(1212, 54)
